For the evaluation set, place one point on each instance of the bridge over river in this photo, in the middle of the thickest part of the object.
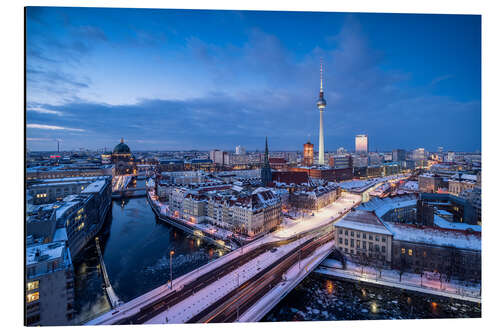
(244, 284)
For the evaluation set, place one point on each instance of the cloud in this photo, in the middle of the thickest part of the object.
(440, 78)
(44, 111)
(261, 88)
(54, 128)
(89, 32)
(39, 139)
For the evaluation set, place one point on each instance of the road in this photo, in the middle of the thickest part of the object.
(179, 304)
(150, 311)
(228, 308)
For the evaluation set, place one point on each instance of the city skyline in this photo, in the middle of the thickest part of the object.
(168, 82)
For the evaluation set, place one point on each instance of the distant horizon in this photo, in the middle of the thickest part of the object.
(169, 79)
(247, 150)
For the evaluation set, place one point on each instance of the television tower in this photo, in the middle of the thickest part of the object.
(321, 106)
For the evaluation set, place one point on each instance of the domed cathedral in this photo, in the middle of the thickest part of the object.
(123, 160)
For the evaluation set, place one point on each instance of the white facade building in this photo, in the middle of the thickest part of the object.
(361, 143)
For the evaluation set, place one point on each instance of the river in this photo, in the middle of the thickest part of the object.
(135, 247)
(322, 298)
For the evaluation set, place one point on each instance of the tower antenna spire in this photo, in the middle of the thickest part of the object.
(321, 75)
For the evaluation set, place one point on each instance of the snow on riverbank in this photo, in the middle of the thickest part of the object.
(427, 282)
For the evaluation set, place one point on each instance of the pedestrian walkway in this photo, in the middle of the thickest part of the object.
(390, 278)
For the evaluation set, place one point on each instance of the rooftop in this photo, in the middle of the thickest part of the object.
(95, 187)
(363, 221)
(44, 252)
(435, 236)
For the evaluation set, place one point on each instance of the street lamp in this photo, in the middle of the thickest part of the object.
(171, 254)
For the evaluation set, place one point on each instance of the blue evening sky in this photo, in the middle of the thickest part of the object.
(185, 79)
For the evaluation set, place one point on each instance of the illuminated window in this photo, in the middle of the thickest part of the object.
(403, 250)
(410, 252)
(33, 285)
(32, 297)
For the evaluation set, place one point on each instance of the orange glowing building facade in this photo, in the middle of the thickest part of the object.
(308, 159)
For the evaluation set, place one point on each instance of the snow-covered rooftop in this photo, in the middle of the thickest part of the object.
(382, 206)
(442, 223)
(95, 186)
(434, 236)
(44, 252)
(64, 208)
(363, 220)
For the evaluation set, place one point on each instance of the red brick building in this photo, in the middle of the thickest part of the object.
(277, 163)
(332, 175)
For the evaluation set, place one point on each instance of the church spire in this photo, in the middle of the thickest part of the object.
(266, 154)
(266, 173)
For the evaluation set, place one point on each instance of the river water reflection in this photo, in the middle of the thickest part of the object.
(135, 247)
(321, 298)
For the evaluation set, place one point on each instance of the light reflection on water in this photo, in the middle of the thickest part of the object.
(321, 298)
(136, 249)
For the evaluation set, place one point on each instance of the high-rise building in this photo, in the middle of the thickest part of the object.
(341, 161)
(361, 143)
(240, 150)
(321, 103)
(308, 157)
(375, 159)
(419, 154)
(398, 155)
(218, 157)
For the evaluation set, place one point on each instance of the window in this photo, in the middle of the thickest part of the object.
(410, 252)
(340, 240)
(403, 250)
(364, 245)
(377, 248)
(364, 235)
(32, 297)
(370, 246)
(383, 239)
(370, 237)
(352, 233)
(357, 244)
(383, 248)
(376, 238)
(33, 285)
(346, 233)
(346, 241)
(358, 235)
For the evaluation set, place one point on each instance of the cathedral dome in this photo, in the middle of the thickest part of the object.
(121, 148)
